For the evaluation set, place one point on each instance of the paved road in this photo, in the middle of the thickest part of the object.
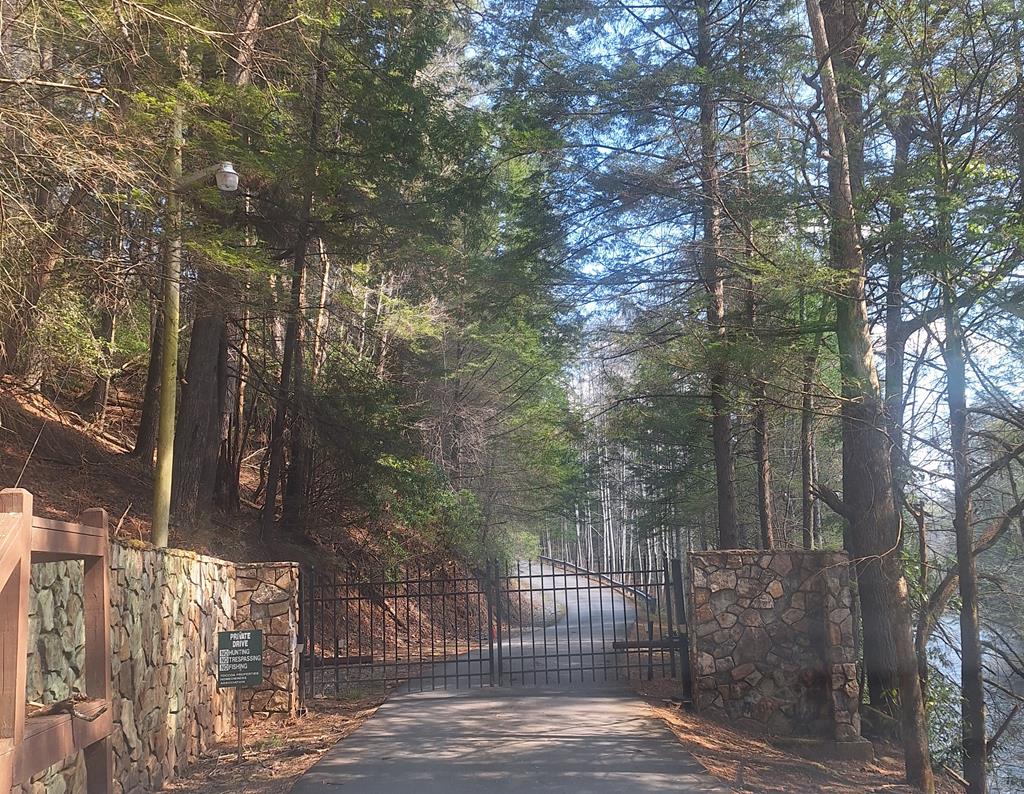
(597, 738)
(591, 740)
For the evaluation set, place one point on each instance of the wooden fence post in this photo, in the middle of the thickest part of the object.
(99, 765)
(15, 571)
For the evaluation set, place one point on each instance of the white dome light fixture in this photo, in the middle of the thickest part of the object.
(227, 177)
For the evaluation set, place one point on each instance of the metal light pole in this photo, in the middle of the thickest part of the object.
(171, 290)
(227, 181)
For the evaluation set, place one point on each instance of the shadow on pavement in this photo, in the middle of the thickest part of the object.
(552, 740)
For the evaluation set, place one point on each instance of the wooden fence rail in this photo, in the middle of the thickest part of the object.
(31, 743)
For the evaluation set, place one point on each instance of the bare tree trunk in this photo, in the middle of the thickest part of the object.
(385, 336)
(281, 406)
(714, 279)
(294, 492)
(100, 394)
(809, 505)
(17, 328)
(322, 317)
(810, 508)
(867, 476)
(921, 518)
(762, 445)
(865, 426)
(229, 370)
(363, 313)
(233, 418)
(200, 435)
(195, 438)
(206, 400)
(972, 677)
(895, 333)
(971, 670)
(765, 509)
(145, 438)
(247, 33)
(291, 364)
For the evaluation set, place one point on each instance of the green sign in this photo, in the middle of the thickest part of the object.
(240, 658)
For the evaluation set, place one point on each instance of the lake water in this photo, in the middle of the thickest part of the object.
(1008, 761)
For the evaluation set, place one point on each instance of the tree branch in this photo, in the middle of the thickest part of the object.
(832, 499)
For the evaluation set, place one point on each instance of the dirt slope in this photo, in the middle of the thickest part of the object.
(69, 466)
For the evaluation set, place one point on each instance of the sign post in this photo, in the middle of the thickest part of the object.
(239, 666)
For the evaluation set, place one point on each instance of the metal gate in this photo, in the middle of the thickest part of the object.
(533, 623)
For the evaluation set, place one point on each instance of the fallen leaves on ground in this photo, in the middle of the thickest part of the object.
(275, 754)
(752, 763)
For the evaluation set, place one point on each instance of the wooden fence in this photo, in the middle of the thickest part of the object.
(29, 743)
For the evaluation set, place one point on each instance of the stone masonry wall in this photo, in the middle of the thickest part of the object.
(772, 641)
(167, 606)
(267, 595)
(56, 657)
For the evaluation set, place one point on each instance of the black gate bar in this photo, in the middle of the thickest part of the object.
(529, 623)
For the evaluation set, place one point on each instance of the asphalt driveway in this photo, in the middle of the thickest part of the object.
(600, 739)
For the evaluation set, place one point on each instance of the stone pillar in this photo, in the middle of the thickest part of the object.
(837, 612)
(771, 634)
(267, 598)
